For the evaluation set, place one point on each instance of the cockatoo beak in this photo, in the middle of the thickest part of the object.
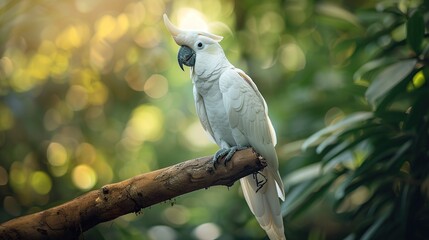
(186, 56)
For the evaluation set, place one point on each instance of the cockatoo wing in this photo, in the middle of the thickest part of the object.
(248, 118)
(248, 80)
(247, 114)
(202, 114)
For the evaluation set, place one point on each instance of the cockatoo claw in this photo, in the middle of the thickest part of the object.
(226, 154)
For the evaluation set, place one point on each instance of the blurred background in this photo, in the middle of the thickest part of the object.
(91, 93)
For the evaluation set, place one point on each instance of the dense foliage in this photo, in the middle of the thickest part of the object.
(91, 93)
(375, 164)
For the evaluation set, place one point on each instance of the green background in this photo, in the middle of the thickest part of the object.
(91, 93)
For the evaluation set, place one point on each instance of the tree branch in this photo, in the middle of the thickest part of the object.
(71, 219)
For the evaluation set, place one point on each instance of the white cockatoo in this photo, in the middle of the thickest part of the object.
(234, 113)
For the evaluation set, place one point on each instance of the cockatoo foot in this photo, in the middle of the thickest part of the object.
(226, 154)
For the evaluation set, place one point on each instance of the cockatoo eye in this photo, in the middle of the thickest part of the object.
(200, 45)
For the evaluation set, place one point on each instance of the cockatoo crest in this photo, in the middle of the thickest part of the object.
(188, 37)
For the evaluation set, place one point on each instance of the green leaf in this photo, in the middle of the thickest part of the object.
(369, 67)
(311, 199)
(373, 159)
(338, 150)
(392, 116)
(301, 197)
(378, 224)
(395, 95)
(415, 31)
(327, 142)
(353, 118)
(379, 201)
(397, 160)
(388, 79)
(341, 136)
(333, 155)
(417, 112)
(406, 196)
(296, 196)
(395, 10)
(345, 158)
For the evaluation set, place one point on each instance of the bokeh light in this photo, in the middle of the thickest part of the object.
(192, 19)
(292, 57)
(18, 176)
(41, 182)
(162, 232)
(207, 231)
(4, 177)
(58, 159)
(196, 136)
(177, 214)
(6, 118)
(77, 97)
(84, 177)
(56, 154)
(146, 124)
(156, 86)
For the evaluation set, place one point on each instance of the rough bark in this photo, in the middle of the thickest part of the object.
(71, 219)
